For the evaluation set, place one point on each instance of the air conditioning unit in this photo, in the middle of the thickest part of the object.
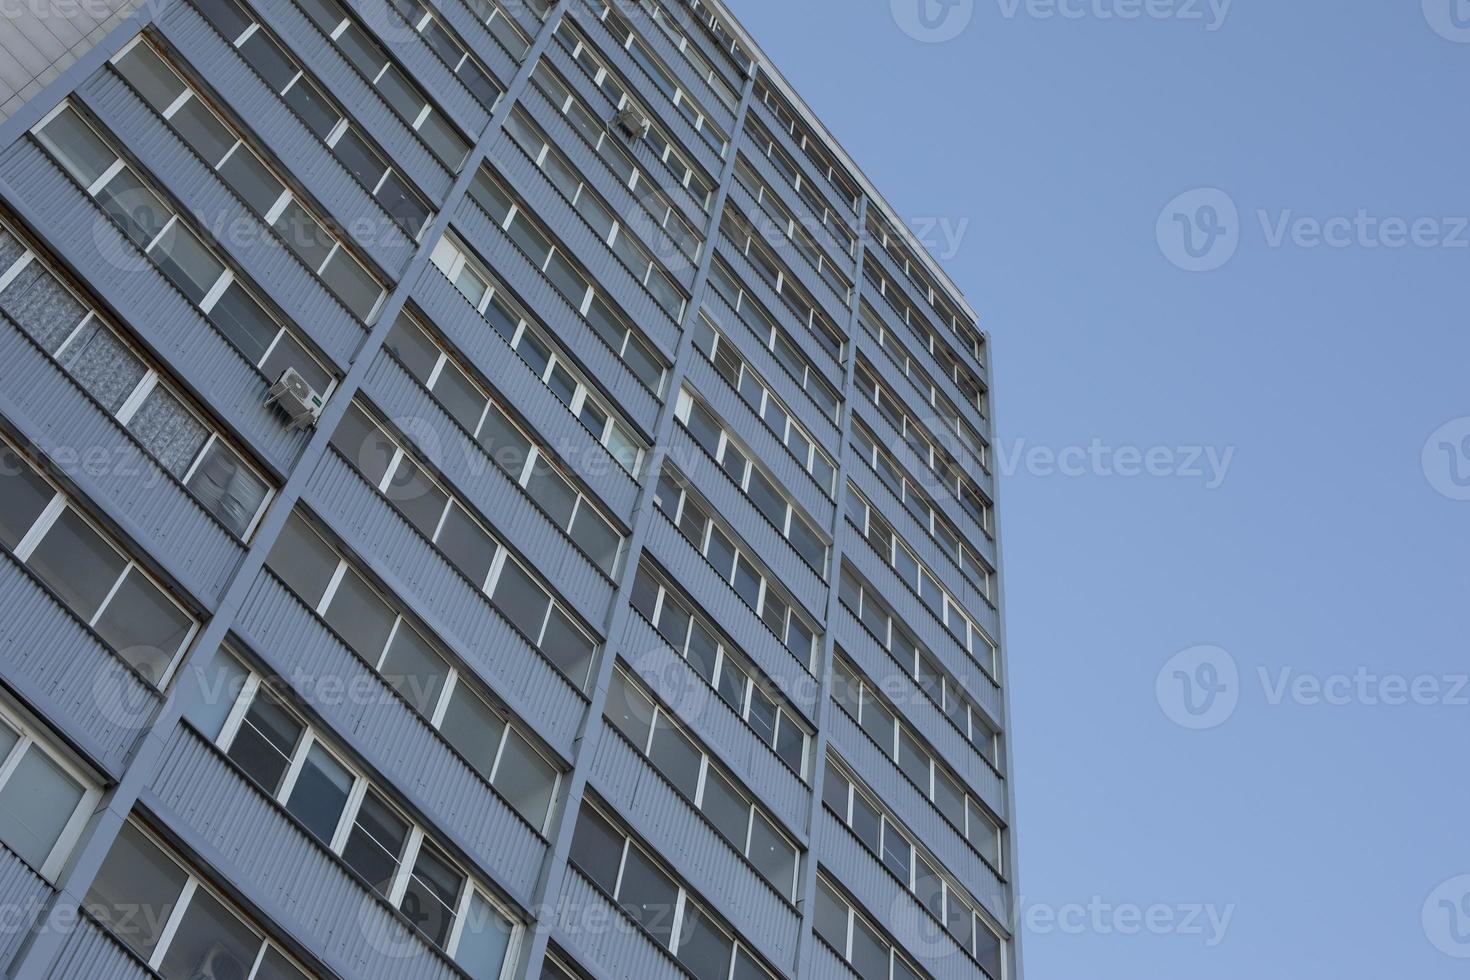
(295, 396)
(632, 122)
(218, 963)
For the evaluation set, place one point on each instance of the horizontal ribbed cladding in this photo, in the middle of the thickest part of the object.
(684, 838)
(753, 527)
(915, 812)
(755, 285)
(525, 14)
(598, 933)
(454, 609)
(519, 388)
(559, 54)
(755, 353)
(650, 94)
(572, 230)
(667, 52)
(282, 133)
(144, 500)
(797, 205)
(921, 713)
(767, 118)
(24, 892)
(312, 48)
(67, 673)
(774, 234)
(926, 415)
(247, 840)
(599, 363)
(570, 141)
(76, 231)
(889, 902)
(803, 488)
(239, 233)
(392, 738)
(917, 537)
(712, 721)
(921, 303)
(91, 953)
(826, 964)
(477, 37)
(476, 479)
(424, 66)
(728, 611)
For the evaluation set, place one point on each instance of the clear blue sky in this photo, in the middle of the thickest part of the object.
(1326, 547)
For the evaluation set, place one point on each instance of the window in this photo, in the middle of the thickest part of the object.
(651, 897)
(319, 249)
(736, 566)
(414, 667)
(752, 697)
(452, 50)
(101, 585)
(711, 790)
(444, 520)
(300, 92)
(866, 949)
(725, 86)
(738, 463)
(883, 234)
(951, 542)
(187, 932)
(45, 799)
(543, 357)
(177, 251)
(350, 817)
(133, 391)
(818, 156)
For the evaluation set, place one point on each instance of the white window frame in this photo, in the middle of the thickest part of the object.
(30, 735)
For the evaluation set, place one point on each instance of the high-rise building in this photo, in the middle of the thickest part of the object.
(489, 489)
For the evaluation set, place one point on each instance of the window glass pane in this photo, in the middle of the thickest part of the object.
(675, 756)
(414, 670)
(211, 694)
(913, 760)
(504, 442)
(704, 949)
(78, 148)
(135, 876)
(36, 803)
(773, 855)
(168, 431)
(830, 921)
(869, 952)
(484, 940)
(433, 890)
(240, 318)
(597, 849)
(23, 495)
(597, 538)
(648, 895)
(791, 744)
(210, 942)
(418, 497)
(896, 852)
(144, 625)
(102, 365)
(949, 797)
(466, 544)
(413, 347)
(228, 488)
(154, 80)
(320, 793)
(75, 561)
(303, 560)
(244, 172)
(353, 284)
(376, 843)
(471, 727)
(522, 601)
(303, 235)
(551, 490)
(275, 966)
(726, 808)
(526, 779)
(42, 306)
(568, 647)
(202, 130)
(460, 397)
(630, 710)
(360, 616)
(191, 267)
(265, 742)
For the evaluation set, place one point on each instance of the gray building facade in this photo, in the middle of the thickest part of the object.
(487, 489)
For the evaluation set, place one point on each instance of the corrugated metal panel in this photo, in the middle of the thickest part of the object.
(888, 902)
(600, 364)
(284, 135)
(755, 285)
(238, 232)
(916, 813)
(91, 954)
(25, 895)
(144, 500)
(609, 183)
(774, 234)
(727, 737)
(920, 712)
(584, 14)
(797, 205)
(825, 964)
(76, 231)
(476, 478)
(917, 537)
(613, 278)
(774, 456)
(663, 46)
(390, 736)
(602, 936)
(788, 143)
(723, 605)
(524, 13)
(425, 67)
(755, 352)
(331, 68)
(67, 674)
(688, 842)
(522, 390)
(759, 534)
(445, 600)
(245, 839)
(921, 302)
(559, 53)
(471, 29)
